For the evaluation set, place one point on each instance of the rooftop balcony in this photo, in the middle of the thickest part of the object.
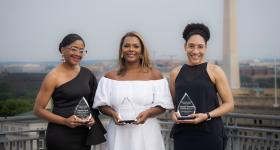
(245, 132)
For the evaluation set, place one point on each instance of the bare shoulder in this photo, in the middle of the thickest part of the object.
(215, 72)
(214, 68)
(51, 78)
(53, 74)
(113, 74)
(174, 72)
(156, 74)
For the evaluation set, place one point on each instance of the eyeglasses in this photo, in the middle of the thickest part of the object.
(77, 50)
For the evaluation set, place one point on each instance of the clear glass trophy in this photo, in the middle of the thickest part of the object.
(82, 111)
(185, 108)
(127, 112)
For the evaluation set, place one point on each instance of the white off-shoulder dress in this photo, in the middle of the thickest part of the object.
(142, 94)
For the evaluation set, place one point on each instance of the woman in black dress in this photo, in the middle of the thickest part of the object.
(66, 84)
(202, 82)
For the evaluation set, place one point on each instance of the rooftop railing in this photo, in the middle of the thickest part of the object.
(244, 131)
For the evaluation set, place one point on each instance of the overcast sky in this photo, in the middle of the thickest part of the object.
(30, 30)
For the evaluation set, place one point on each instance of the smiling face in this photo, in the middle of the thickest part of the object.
(74, 52)
(195, 49)
(131, 49)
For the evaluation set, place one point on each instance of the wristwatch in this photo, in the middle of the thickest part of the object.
(208, 116)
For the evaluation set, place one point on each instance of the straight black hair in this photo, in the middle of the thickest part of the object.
(68, 39)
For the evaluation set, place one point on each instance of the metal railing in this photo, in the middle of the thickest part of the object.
(244, 131)
(252, 132)
(19, 140)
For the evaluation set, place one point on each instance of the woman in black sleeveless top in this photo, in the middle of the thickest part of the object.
(202, 82)
(67, 84)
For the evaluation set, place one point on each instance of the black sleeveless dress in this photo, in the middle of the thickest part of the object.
(65, 99)
(208, 134)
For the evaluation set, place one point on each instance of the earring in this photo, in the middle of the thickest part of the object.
(122, 56)
(62, 58)
(141, 57)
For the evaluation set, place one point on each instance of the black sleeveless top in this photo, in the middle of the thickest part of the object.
(67, 96)
(195, 81)
(65, 99)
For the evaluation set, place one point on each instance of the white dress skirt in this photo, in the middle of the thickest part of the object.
(130, 98)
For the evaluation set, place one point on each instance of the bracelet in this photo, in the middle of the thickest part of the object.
(208, 116)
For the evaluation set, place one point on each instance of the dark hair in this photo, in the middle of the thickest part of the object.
(68, 39)
(196, 28)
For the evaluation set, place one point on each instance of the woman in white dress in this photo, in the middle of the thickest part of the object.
(135, 91)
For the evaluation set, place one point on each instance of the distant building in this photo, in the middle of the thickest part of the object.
(26, 68)
(22, 138)
(257, 71)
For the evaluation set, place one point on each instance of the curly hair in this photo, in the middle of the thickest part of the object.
(196, 28)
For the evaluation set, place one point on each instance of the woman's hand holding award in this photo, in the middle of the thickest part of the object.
(126, 112)
(185, 108)
(82, 111)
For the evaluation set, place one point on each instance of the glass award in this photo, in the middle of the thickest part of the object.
(185, 108)
(82, 111)
(127, 112)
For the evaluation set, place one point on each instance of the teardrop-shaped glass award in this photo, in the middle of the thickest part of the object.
(126, 111)
(185, 108)
(82, 110)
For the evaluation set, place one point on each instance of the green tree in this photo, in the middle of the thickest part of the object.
(5, 92)
(13, 107)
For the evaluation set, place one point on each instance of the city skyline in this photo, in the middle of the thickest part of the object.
(31, 30)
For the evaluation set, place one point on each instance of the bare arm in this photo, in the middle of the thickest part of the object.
(149, 113)
(224, 91)
(173, 76)
(109, 111)
(42, 100)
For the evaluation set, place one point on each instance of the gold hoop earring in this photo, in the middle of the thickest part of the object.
(141, 57)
